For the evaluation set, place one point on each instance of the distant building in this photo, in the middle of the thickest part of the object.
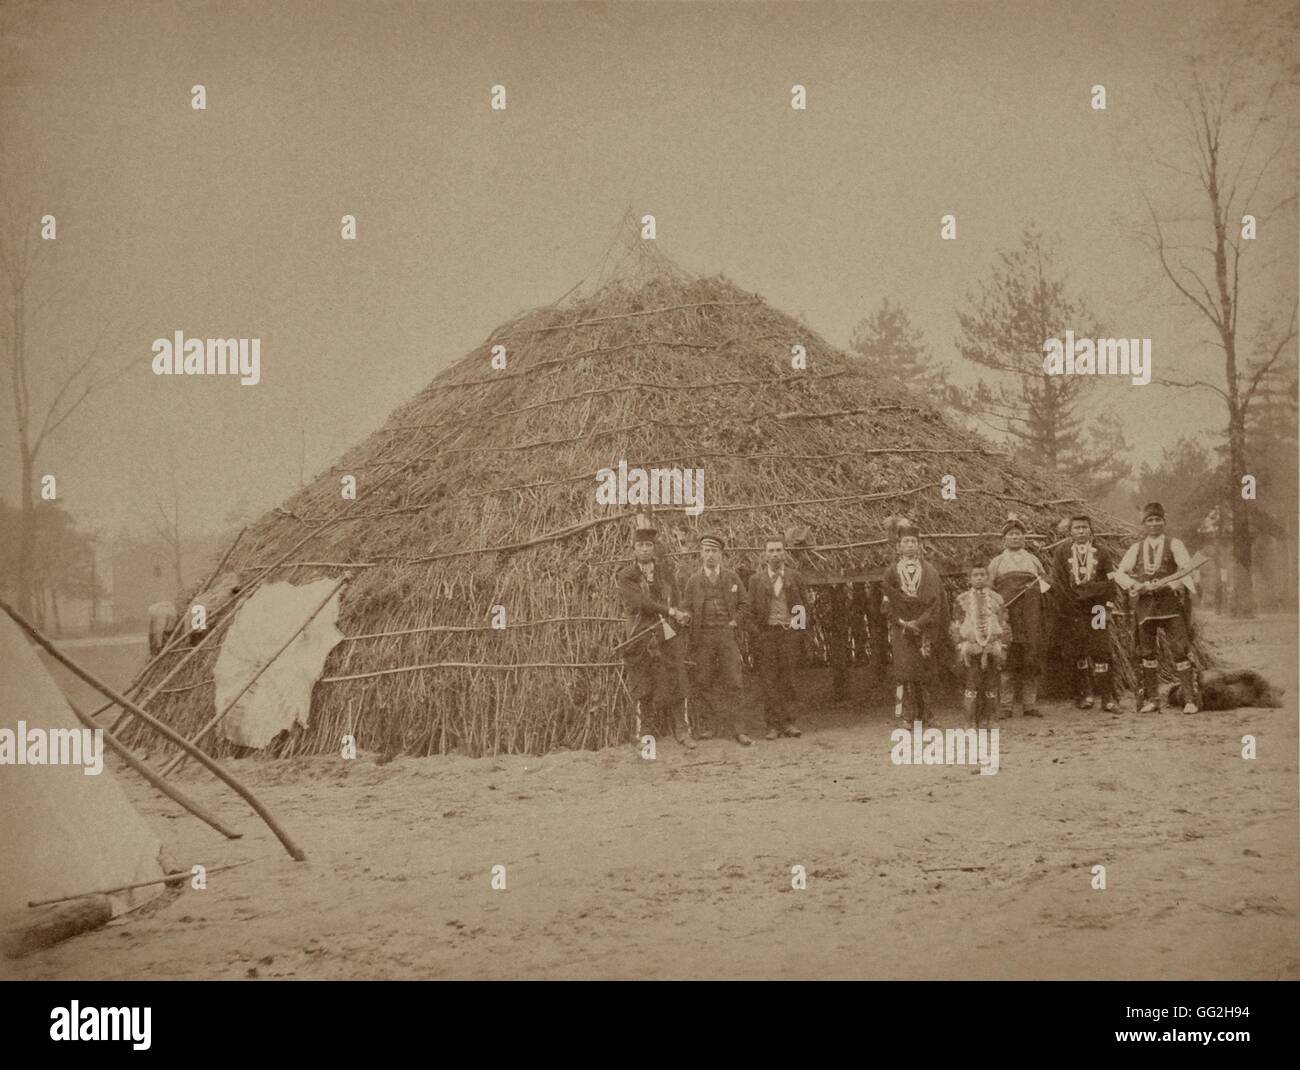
(142, 573)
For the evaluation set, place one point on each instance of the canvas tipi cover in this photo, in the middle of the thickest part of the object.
(62, 832)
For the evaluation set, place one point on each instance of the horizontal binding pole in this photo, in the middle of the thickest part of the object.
(706, 384)
(475, 665)
(1032, 536)
(666, 462)
(479, 627)
(620, 316)
(925, 536)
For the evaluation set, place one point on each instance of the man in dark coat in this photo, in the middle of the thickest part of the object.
(717, 603)
(914, 606)
(1081, 571)
(778, 617)
(655, 670)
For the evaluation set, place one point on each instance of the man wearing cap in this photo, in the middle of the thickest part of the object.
(914, 605)
(778, 616)
(717, 604)
(1015, 574)
(1081, 571)
(655, 670)
(1160, 609)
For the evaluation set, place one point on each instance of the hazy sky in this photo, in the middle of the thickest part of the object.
(225, 222)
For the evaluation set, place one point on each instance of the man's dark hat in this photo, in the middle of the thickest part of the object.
(1153, 509)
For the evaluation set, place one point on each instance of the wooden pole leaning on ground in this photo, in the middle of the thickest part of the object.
(179, 629)
(245, 590)
(175, 794)
(234, 602)
(194, 739)
(165, 879)
(295, 852)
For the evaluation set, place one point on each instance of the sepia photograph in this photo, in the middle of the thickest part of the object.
(649, 491)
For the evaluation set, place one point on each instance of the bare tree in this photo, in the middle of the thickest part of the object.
(1236, 126)
(168, 530)
(46, 389)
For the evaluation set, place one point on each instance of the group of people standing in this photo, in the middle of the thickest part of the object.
(1001, 623)
(700, 620)
(998, 624)
(685, 667)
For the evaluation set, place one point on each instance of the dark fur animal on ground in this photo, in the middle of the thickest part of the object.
(1231, 689)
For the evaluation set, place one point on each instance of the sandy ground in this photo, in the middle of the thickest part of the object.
(617, 867)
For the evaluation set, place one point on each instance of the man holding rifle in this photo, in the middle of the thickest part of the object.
(652, 653)
(1019, 578)
(1158, 572)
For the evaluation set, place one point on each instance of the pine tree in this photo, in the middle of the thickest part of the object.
(1023, 303)
(893, 348)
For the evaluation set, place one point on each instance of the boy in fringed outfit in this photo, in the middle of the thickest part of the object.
(914, 606)
(981, 632)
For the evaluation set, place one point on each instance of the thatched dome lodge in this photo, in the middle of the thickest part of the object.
(480, 492)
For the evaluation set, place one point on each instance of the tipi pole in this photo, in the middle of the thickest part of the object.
(124, 752)
(149, 696)
(177, 631)
(295, 852)
(194, 739)
(224, 558)
(167, 879)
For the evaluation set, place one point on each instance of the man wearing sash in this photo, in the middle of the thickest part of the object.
(1081, 571)
(1160, 609)
(914, 606)
(1016, 575)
